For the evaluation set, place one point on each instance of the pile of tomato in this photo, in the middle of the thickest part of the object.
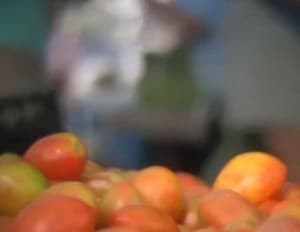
(54, 187)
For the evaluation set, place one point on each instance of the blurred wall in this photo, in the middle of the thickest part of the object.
(263, 84)
(23, 33)
(23, 24)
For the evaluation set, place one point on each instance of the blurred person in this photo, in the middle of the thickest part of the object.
(95, 54)
(93, 57)
(104, 41)
(112, 32)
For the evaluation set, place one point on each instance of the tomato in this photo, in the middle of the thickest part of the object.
(20, 184)
(55, 214)
(60, 156)
(144, 218)
(5, 223)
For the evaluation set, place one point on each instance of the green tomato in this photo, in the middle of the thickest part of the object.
(20, 184)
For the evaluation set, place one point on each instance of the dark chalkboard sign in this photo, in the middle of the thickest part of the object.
(24, 119)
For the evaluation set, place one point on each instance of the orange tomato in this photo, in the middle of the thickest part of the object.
(119, 229)
(287, 207)
(117, 197)
(225, 208)
(145, 218)
(55, 214)
(266, 207)
(160, 188)
(192, 217)
(192, 186)
(279, 224)
(256, 176)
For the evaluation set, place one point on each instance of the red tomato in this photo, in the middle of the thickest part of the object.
(5, 223)
(60, 156)
(55, 214)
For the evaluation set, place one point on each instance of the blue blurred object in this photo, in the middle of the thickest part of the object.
(118, 149)
(126, 149)
(208, 57)
(107, 145)
(211, 11)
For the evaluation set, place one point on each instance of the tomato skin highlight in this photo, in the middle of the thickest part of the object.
(60, 156)
(55, 214)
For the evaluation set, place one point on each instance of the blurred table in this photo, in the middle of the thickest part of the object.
(179, 140)
(163, 126)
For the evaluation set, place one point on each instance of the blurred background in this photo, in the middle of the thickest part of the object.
(182, 83)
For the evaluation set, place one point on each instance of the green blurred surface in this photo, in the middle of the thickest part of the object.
(168, 83)
(24, 24)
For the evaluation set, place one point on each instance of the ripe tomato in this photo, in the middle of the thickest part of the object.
(256, 176)
(60, 156)
(5, 223)
(55, 214)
